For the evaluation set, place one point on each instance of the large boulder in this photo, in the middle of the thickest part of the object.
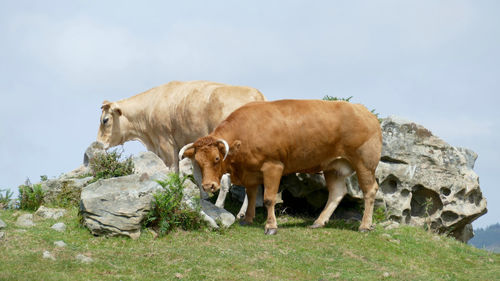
(423, 181)
(117, 206)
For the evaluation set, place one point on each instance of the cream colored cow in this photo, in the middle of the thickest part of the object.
(168, 117)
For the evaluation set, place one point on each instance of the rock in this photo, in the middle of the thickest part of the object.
(415, 167)
(218, 214)
(61, 227)
(63, 191)
(60, 244)
(2, 235)
(48, 255)
(49, 213)
(117, 206)
(147, 162)
(2, 224)
(83, 259)
(25, 220)
(80, 172)
(91, 151)
(386, 235)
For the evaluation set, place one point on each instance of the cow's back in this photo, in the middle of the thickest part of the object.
(300, 133)
(193, 109)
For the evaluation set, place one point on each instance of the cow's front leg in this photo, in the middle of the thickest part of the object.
(272, 172)
(251, 192)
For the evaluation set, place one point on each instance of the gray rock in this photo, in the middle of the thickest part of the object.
(60, 244)
(2, 224)
(83, 259)
(117, 206)
(49, 213)
(225, 218)
(48, 255)
(149, 163)
(61, 227)
(2, 235)
(93, 149)
(25, 220)
(80, 172)
(63, 190)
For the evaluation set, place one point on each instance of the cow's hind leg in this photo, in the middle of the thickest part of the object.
(272, 173)
(369, 186)
(335, 183)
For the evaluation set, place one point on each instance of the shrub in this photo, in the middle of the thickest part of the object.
(169, 212)
(108, 165)
(5, 198)
(30, 197)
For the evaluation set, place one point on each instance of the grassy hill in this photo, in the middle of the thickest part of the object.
(241, 253)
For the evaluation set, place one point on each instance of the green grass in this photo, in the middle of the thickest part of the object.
(242, 253)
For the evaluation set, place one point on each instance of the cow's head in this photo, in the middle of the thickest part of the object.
(109, 130)
(210, 154)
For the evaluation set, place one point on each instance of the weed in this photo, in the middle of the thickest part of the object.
(30, 196)
(108, 165)
(427, 206)
(330, 98)
(379, 215)
(169, 212)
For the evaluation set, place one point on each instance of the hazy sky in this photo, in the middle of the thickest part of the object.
(434, 62)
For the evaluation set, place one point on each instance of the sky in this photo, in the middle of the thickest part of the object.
(436, 63)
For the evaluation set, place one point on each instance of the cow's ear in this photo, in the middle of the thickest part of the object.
(235, 147)
(116, 108)
(106, 105)
(118, 111)
(188, 153)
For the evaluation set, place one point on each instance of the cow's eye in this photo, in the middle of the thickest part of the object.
(217, 159)
(104, 121)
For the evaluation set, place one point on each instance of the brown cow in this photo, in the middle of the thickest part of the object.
(271, 139)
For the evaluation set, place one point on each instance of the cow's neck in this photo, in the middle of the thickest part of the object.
(135, 123)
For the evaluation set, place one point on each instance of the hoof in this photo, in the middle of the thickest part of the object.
(245, 223)
(271, 231)
(364, 229)
(316, 225)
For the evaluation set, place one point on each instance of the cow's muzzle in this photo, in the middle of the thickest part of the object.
(210, 187)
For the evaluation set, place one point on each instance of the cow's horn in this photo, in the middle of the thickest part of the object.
(226, 146)
(184, 148)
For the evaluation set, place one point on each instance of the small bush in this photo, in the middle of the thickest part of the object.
(30, 197)
(108, 165)
(5, 198)
(169, 212)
